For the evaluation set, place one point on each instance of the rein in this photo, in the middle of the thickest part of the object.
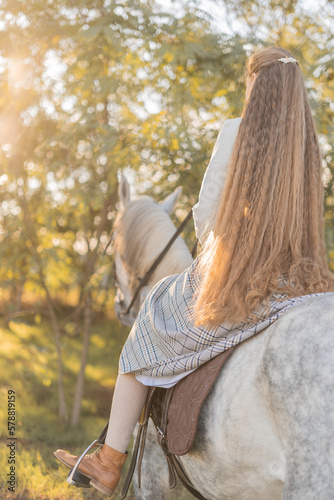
(143, 281)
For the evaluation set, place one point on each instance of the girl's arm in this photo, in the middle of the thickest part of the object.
(205, 210)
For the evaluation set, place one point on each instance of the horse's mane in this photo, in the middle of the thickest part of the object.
(142, 229)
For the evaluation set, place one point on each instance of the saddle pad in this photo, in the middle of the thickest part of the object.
(187, 399)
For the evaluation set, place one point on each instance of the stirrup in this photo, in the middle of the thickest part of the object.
(77, 478)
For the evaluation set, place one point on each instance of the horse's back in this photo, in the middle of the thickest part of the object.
(299, 366)
(266, 429)
(237, 452)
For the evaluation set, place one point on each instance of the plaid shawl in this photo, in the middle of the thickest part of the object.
(164, 342)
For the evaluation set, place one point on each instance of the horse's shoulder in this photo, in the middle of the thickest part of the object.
(304, 325)
(286, 350)
(300, 349)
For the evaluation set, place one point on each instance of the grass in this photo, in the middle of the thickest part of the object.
(28, 365)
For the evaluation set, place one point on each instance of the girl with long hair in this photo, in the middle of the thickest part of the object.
(260, 220)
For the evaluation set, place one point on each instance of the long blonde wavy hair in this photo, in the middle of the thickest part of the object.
(268, 236)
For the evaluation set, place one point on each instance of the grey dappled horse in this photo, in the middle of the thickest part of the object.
(266, 431)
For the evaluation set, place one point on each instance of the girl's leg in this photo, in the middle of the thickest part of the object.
(127, 404)
(104, 467)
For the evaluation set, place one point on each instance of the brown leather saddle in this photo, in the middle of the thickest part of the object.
(175, 413)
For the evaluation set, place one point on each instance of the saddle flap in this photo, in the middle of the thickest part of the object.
(186, 402)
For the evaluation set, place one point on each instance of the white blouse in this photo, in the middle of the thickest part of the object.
(204, 212)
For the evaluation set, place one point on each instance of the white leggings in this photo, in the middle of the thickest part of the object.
(128, 402)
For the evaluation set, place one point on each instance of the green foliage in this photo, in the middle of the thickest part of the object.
(28, 366)
(91, 89)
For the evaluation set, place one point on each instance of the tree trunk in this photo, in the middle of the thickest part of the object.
(62, 408)
(19, 295)
(88, 317)
(88, 308)
(16, 298)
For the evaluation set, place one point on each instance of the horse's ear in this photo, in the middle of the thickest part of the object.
(169, 203)
(124, 191)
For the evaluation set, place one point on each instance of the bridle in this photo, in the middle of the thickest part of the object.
(143, 281)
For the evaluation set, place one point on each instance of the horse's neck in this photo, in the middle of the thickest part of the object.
(175, 261)
(145, 229)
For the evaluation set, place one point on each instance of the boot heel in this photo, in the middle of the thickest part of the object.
(78, 479)
(102, 487)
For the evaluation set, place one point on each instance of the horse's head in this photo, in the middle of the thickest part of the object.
(142, 230)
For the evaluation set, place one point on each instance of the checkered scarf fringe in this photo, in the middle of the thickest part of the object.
(164, 342)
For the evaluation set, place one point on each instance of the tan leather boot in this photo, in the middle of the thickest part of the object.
(103, 467)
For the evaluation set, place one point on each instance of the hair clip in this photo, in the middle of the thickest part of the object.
(288, 60)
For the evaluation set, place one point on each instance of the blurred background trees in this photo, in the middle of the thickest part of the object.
(91, 88)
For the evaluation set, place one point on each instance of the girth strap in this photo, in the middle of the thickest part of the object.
(160, 423)
(184, 478)
(162, 403)
(155, 403)
(139, 445)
